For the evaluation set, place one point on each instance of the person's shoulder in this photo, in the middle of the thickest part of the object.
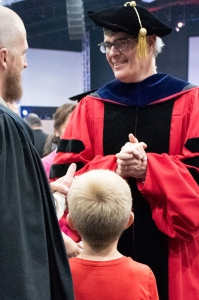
(39, 133)
(138, 267)
(5, 117)
(75, 262)
(11, 118)
(90, 105)
(89, 99)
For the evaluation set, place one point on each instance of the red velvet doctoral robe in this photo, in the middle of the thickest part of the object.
(166, 205)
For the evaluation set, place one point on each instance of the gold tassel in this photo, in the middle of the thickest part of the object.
(142, 44)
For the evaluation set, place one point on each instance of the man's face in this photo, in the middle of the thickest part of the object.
(17, 62)
(126, 64)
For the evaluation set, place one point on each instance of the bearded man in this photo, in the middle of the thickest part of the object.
(33, 260)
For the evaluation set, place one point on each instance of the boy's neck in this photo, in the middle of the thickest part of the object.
(109, 253)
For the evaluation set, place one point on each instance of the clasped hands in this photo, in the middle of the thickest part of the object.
(131, 162)
(132, 159)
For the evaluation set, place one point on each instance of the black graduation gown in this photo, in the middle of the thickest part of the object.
(33, 261)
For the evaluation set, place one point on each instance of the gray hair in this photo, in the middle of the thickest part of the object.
(158, 46)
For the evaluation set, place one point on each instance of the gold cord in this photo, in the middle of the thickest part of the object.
(142, 44)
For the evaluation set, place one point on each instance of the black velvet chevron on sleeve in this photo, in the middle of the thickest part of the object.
(194, 161)
(192, 144)
(59, 170)
(75, 146)
(194, 174)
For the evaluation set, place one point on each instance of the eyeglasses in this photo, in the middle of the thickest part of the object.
(119, 45)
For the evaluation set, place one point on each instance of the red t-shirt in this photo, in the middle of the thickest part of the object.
(116, 279)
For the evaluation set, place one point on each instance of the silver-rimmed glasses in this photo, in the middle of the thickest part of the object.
(120, 44)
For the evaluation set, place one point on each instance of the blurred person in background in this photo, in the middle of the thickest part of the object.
(40, 137)
(61, 118)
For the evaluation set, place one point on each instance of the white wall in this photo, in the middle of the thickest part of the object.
(48, 126)
(51, 77)
(193, 64)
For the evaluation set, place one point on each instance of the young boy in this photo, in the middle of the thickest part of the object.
(99, 204)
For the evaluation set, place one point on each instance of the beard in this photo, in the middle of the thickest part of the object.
(12, 87)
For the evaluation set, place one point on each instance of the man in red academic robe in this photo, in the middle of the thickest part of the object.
(161, 158)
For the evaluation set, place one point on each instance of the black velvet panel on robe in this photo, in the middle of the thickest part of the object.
(142, 241)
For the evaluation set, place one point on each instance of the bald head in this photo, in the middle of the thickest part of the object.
(33, 120)
(11, 26)
(13, 47)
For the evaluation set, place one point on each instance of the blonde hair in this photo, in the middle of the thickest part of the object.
(99, 203)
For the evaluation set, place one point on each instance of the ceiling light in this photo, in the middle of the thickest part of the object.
(179, 25)
(8, 2)
(148, 1)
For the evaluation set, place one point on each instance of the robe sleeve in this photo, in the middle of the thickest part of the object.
(82, 142)
(171, 184)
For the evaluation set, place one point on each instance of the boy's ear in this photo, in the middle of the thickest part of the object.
(131, 219)
(69, 221)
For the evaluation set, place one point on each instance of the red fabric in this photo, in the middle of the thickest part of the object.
(89, 116)
(174, 199)
(108, 162)
(117, 279)
(169, 187)
(67, 229)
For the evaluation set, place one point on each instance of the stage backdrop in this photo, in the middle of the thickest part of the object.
(193, 65)
(51, 77)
